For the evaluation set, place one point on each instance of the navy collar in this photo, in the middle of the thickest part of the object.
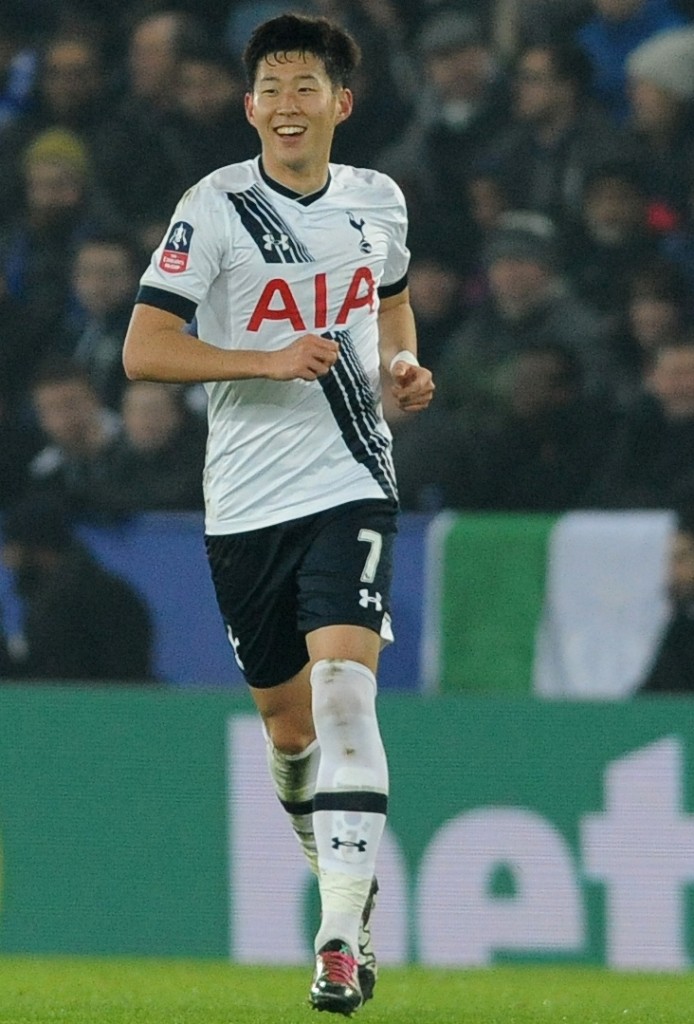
(305, 200)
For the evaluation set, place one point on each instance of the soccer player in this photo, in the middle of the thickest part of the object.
(296, 272)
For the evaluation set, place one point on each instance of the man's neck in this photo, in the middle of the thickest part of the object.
(303, 182)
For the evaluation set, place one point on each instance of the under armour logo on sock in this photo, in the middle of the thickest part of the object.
(361, 845)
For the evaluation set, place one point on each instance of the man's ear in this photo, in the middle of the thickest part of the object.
(248, 107)
(344, 105)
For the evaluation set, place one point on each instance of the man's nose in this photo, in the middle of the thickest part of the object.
(288, 102)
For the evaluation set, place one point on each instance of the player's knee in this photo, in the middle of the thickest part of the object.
(342, 689)
(288, 733)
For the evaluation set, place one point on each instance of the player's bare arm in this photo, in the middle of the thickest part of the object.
(412, 384)
(157, 348)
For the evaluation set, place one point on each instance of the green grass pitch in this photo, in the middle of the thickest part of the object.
(104, 991)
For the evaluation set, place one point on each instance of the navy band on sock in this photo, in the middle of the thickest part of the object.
(348, 800)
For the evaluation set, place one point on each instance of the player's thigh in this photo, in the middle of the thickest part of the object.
(345, 576)
(254, 579)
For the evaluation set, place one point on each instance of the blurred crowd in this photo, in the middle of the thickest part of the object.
(546, 151)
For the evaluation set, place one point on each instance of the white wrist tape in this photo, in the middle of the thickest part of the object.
(403, 357)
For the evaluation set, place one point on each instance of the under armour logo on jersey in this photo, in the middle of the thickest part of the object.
(361, 845)
(365, 599)
(358, 225)
(276, 242)
(235, 644)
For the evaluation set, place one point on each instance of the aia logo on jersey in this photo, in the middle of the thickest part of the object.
(278, 302)
(174, 258)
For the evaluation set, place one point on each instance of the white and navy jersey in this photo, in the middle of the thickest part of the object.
(259, 266)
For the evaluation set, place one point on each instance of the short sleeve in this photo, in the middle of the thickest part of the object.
(398, 259)
(190, 255)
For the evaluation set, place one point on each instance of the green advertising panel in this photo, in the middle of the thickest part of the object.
(492, 590)
(144, 823)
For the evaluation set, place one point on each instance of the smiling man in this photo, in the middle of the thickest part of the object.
(296, 272)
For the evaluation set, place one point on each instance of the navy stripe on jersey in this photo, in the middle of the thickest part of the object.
(273, 237)
(351, 400)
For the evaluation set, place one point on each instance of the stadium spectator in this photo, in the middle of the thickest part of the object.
(616, 29)
(105, 273)
(77, 428)
(520, 23)
(208, 110)
(658, 309)
(140, 161)
(612, 239)
(81, 623)
(437, 297)
(39, 245)
(70, 93)
(672, 668)
(157, 461)
(661, 118)
(460, 106)
(651, 457)
(557, 135)
(527, 304)
(550, 438)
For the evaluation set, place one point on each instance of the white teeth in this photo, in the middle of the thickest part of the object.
(289, 130)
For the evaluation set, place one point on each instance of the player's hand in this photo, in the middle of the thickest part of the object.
(307, 358)
(413, 386)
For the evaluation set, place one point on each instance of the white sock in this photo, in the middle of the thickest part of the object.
(351, 793)
(294, 779)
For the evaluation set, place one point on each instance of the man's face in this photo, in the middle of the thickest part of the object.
(295, 108)
(651, 107)
(103, 277)
(151, 416)
(53, 187)
(613, 210)
(461, 74)
(681, 568)
(152, 56)
(71, 76)
(539, 384)
(204, 90)
(672, 380)
(538, 90)
(653, 319)
(66, 411)
(518, 285)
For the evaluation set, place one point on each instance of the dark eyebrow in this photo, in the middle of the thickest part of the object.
(275, 78)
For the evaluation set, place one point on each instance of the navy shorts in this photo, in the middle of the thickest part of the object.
(279, 583)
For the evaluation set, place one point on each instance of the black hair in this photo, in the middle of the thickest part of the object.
(570, 62)
(296, 33)
(626, 170)
(118, 239)
(572, 371)
(57, 369)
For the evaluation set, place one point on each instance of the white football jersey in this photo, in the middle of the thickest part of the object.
(258, 266)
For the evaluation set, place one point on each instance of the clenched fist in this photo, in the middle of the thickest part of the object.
(307, 358)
